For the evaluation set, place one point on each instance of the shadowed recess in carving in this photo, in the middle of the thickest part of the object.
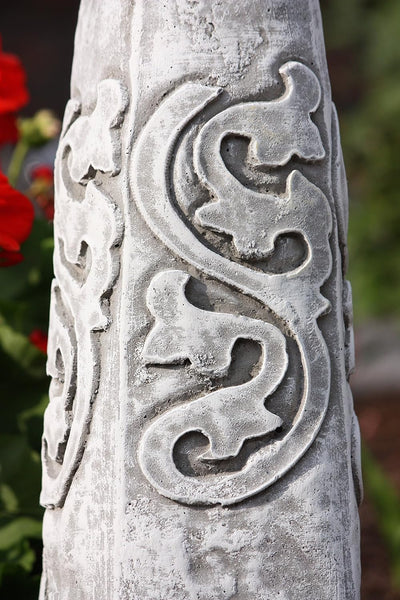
(209, 294)
(290, 249)
(289, 253)
(197, 294)
(62, 367)
(246, 359)
(79, 270)
(234, 151)
(75, 190)
(190, 449)
(57, 383)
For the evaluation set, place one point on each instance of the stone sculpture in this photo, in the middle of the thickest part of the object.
(200, 440)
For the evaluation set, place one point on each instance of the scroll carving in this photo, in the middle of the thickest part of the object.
(61, 366)
(88, 233)
(182, 331)
(232, 415)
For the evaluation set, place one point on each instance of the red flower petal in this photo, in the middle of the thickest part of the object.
(16, 216)
(8, 259)
(13, 92)
(8, 129)
(7, 241)
(49, 212)
(39, 339)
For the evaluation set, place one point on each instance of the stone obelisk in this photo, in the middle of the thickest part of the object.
(200, 440)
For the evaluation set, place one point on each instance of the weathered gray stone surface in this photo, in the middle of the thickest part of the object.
(200, 441)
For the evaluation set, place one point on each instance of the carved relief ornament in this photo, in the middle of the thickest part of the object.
(253, 220)
(88, 231)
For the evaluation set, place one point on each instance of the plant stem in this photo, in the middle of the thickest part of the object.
(16, 162)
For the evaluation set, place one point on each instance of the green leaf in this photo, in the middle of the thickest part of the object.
(17, 530)
(8, 500)
(35, 272)
(20, 470)
(22, 351)
(387, 504)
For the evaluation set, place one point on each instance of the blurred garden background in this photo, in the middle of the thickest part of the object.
(362, 38)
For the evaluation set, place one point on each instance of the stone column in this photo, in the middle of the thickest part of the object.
(200, 441)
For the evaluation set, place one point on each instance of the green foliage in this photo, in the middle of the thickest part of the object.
(387, 505)
(367, 33)
(342, 23)
(24, 305)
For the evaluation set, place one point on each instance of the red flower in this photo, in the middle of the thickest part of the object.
(16, 218)
(49, 212)
(8, 259)
(42, 172)
(13, 94)
(41, 190)
(39, 339)
(8, 129)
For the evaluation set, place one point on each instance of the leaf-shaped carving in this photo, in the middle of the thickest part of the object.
(255, 220)
(278, 129)
(94, 140)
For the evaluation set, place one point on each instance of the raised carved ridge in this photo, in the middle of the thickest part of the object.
(88, 230)
(339, 186)
(277, 130)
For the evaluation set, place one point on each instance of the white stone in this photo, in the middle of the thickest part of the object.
(200, 441)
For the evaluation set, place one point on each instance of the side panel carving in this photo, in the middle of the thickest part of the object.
(88, 234)
(341, 202)
(61, 366)
(231, 416)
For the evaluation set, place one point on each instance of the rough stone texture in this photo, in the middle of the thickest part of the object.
(200, 441)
